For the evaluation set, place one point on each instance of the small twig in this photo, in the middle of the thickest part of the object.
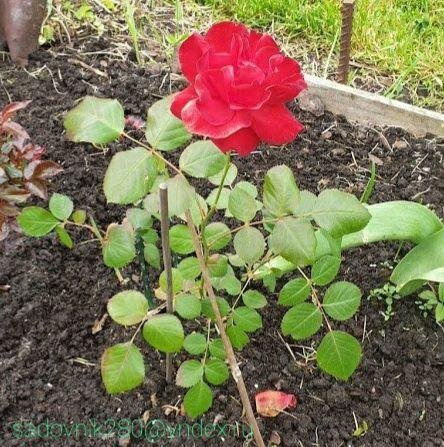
(88, 67)
(167, 264)
(235, 370)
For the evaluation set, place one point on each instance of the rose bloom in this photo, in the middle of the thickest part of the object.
(239, 82)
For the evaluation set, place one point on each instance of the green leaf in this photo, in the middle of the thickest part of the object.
(248, 187)
(249, 244)
(229, 282)
(342, 300)
(306, 204)
(95, 120)
(302, 321)
(207, 308)
(441, 292)
(239, 339)
(189, 373)
(64, 237)
(195, 343)
(339, 354)
(254, 299)
(61, 206)
(395, 221)
(439, 312)
(217, 235)
(36, 221)
(188, 306)
(118, 247)
(138, 218)
(294, 292)
(152, 255)
(217, 265)
(177, 280)
(229, 178)
(241, 204)
(222, 202)
(164, 332)
(326, 244)
(129, 176)
(164, 131)
(425, 262)
(180, 239)
(198, 400)
(79, 217)
(122, 368)
(281, 194)
(181, 195)
(202, 159)
(294, 239)
(128, 307)
(247, 319)
(217, 349)
(325, 269)
(190, 268)
(216, 371)
(339, 212)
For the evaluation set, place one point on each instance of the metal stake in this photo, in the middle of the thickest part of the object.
(346, 33)
(167, 265)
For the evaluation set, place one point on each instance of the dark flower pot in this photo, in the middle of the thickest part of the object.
(20, 22)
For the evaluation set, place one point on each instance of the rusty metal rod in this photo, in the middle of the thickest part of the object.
(346, 34)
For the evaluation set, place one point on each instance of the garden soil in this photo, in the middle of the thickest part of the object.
(49, 357)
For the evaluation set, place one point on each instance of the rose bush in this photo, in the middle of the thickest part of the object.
(239, 84)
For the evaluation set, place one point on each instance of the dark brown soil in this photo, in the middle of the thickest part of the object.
(57, 294)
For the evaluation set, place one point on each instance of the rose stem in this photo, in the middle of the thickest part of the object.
(346, 33)
(143, 270)
(235, 370)
(164, 228)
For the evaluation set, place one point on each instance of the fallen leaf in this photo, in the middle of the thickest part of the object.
(98, 324)
(270, 403)
(275, 438)
(146, 416)
(124, 442)
(376, 160)
(400, 144)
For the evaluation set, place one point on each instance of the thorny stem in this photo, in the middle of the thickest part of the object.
(147, 315)
(143, 270)
(315, 297)
(95, 230)
(250, 276)
(235, 370)
(155, 153)
(218, 193)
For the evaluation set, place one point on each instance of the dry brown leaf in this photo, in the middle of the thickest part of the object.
(98, 324)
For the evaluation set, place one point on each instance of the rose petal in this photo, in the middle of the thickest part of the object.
(275, 124)
(220, 35)
(285, 80)
(212, 88)
(244, 141)
(190, 52)
(196, 123)
(270, 403)
(181, 99)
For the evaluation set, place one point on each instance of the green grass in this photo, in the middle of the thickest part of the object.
(398, 44)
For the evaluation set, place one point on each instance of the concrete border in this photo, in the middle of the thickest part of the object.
(369, 108)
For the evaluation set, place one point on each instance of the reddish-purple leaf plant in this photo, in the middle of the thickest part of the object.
(23, 172)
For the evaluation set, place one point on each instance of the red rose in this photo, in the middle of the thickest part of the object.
(239, 84)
